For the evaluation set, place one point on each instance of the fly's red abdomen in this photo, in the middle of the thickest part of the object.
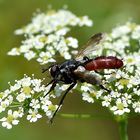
(103, 62)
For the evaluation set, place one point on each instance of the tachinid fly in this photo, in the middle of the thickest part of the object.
(78, 69)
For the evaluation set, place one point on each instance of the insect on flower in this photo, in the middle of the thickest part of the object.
(78, 69)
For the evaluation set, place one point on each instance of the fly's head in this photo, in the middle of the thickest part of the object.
(54, 71)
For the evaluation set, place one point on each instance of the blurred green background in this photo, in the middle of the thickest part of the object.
(105, 14)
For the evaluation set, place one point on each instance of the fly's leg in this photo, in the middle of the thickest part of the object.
(61, 101)
(101, 73)
(86, 58)
(85, 61)
(50, 82)
(104, 88)
(52, 87)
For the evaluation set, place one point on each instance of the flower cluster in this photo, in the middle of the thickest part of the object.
(46, 35)
(25, 97)
(124, 84)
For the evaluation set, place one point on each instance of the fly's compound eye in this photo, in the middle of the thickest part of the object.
(54, 70)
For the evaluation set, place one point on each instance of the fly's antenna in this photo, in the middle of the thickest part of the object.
(46, 69)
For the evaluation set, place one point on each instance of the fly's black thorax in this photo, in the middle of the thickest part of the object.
(66, 70)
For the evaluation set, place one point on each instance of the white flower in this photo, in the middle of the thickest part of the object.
(45, 57)
(39, 41)
(10, 120)
(35, 104)
(36, 82)
(66, 55)
(72, 42)
(121, 30)
(136, 106)
(122, 83)
(51, 109)
(136, 91)
(29, 55)
(120, 108)
(50, 49)
(15, 87)
(136, 32)
(106, 100)
(130, 59)
(134, 80)
(86, 87)
(58, 90)
(119, 45)
(26, 81)
(115, 94)
(53, 38)
(25, 48)
(87, 97)
(38, 87)
(33, 115)
(47, 106)
(86, 21)
(21, 97)
(4, 94)
(20, 112)
(5, 103)
(27, 91)
(45, 103)
(19, 32)
(62, 31)
(10, 99)
(14, 51)
(127, 98)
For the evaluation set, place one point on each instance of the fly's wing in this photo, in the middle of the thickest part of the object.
(91, 45)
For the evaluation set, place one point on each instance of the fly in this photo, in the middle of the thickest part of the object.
(78, 69)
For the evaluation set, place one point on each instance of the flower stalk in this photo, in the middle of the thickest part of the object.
(123, 129)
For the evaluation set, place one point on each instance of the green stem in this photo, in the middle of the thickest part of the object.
(12, 106)
(84, 116)
(123, 129)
